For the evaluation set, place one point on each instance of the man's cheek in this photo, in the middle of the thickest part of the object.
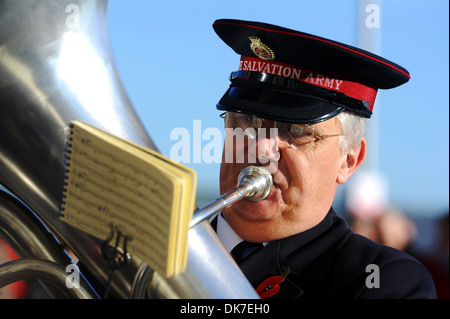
(226, 177)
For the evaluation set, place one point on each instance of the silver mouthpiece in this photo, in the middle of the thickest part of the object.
(254, 183)
(258, 179)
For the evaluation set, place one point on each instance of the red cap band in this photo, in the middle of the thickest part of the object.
(352, 89)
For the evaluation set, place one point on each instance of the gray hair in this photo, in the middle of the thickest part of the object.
(353, 127)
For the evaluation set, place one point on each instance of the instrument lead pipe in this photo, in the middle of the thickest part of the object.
(254, 182)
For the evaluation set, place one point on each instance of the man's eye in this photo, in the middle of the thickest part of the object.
(248, 120)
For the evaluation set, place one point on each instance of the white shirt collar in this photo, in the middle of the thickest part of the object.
(227, 235)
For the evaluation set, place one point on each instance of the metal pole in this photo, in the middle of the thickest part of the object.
(369, 38)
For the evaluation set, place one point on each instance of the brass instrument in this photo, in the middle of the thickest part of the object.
(56, 66)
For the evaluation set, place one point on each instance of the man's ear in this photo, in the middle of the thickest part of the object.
(351, 162)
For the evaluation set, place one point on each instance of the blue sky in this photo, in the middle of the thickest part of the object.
(175, 69)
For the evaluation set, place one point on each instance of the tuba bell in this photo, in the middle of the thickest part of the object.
(57, 66)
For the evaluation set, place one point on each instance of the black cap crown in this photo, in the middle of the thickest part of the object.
(291, 76)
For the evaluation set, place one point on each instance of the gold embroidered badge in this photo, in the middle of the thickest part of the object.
(261, 50)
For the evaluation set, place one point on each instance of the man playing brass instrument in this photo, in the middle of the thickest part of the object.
(314, 94)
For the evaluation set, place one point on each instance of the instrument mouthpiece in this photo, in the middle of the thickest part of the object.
(258, 179)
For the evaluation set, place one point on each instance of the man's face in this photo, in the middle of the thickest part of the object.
(305, 181)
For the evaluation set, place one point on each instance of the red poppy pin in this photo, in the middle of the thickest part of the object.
(271, 285)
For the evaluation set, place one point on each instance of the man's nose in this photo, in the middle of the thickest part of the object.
(267, 147)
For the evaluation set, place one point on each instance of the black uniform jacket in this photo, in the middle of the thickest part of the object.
(331, 261)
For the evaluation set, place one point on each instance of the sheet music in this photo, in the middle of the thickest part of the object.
(110, 187)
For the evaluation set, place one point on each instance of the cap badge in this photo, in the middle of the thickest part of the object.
(261, 50)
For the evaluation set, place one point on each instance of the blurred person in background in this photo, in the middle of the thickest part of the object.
(390, 227)
(370, 215)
